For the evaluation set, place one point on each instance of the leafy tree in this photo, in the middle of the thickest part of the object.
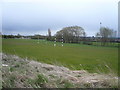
(70, 34)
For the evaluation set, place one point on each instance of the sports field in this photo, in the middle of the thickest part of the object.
(74, 56)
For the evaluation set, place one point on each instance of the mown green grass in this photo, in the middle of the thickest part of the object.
(74, 56)
(108, 44)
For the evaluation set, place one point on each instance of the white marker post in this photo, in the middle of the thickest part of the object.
(55, 42)
(62, 40)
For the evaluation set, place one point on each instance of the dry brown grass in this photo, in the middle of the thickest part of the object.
(23, 73)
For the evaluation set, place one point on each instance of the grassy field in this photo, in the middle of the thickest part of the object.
(74, 56)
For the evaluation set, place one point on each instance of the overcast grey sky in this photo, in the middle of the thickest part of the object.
(29, 17)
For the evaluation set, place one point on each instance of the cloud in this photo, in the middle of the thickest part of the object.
(21, 16)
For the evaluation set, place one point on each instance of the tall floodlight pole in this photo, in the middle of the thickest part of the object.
(100, 28)
(62, 40)
(100, 25)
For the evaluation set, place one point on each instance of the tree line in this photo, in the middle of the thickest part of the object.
(76, 34)
(18, 36)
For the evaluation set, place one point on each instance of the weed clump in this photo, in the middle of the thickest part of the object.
(40, 81)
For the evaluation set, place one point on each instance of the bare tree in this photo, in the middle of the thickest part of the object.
(49, 34)
(105, 34)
